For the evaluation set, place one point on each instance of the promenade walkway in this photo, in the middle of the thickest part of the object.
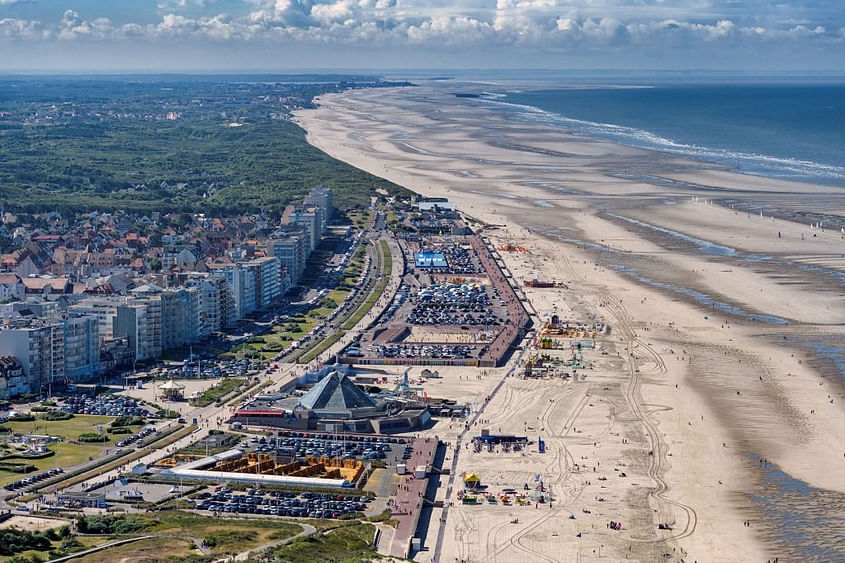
(517, 316)
(408, 501)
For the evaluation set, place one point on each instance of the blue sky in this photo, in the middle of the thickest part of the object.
(277, 35)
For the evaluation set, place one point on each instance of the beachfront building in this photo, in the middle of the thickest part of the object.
(52, 350)
(39, 349)
(311, 218)
(431, 203)
(140, 322)
(81, 338)
(178, 326)
(322, 198)
(242, 283)
(205, 306)
(156, 320)
(267, 274)
(336, 397)
(104, 309)
(291, 247)
(226, 300)
(336, 404)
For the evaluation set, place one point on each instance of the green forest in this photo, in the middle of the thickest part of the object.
(228, 149)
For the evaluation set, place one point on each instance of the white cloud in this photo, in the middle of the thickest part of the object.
(590, 24)
(167, 5)
(72, 26)
(12, 28)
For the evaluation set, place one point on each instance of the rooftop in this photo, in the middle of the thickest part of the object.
(336, 392)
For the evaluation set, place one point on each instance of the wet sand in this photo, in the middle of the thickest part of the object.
(695, 384)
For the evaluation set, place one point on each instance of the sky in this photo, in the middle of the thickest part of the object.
(289, 35)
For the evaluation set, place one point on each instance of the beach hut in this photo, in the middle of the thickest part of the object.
(472, 481)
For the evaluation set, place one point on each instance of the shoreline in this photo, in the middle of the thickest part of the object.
(738, 393)
(733, 161)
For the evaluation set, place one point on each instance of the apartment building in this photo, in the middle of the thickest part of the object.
(140, 322)
(292, 248)
(53, 350)
(322, 198)
(267, 280)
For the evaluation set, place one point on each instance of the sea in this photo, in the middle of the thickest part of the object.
(793, 129)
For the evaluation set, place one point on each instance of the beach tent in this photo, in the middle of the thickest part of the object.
(472, 481)
(172, 391)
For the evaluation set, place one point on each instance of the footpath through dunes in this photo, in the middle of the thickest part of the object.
(698, 384)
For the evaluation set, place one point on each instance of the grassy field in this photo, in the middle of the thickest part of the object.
(385, 266)
(177, 528)
(338, 295)
(144, 550)
(350, 543)
(177, 532)
(282, 336)
(67, 454)
(352, 272)
(161, 442)
(320, 348)
(33, 555)
(362, 219)
(252, 389)
(387, 259)
(365, 307)
(221, 389)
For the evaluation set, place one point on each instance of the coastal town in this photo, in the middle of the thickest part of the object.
(271, 354)
(484, 366)
(87, 296)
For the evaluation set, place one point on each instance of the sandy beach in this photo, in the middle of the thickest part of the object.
(710, 394)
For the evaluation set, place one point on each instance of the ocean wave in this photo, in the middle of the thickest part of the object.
(755, 163)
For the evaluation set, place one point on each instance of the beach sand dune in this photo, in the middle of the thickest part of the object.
(711, 393)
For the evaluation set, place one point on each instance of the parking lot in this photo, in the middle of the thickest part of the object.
(281, 503)
(108, 405)
(453, 304)
(423, 351)
(135, 437)
(358, 447)
(460, 260)
(33, 479)
(211, 368)
(461, 313)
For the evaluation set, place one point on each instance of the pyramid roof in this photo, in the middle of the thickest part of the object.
(336, 392)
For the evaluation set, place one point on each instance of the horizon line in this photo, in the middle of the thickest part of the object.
(358, 71)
